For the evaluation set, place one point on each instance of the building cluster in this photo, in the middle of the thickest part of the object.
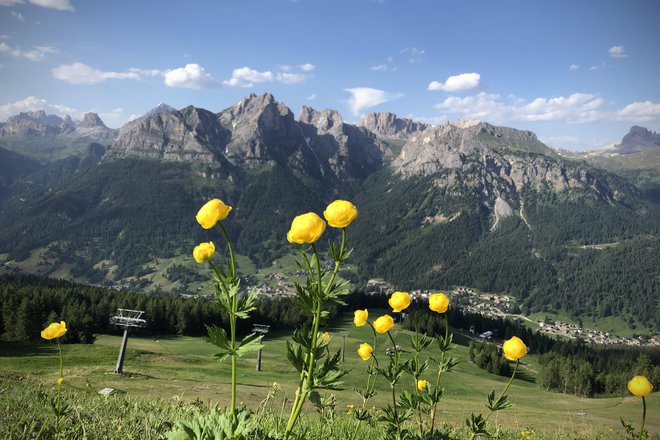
(575, 331)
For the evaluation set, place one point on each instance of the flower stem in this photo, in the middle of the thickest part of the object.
(641, 430)
(232, 317)
(393, 384)
(437, 380)
(370, 385)
(59, 390)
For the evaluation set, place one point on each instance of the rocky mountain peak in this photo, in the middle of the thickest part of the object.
(638, 138)
(388, 125)
(324, 121)
(91, 120)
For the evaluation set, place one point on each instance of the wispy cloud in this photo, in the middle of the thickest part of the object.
(574, 67)
(191, 76)
(575, 108)
(640, 111)
(363, 98)
(617, 52)
(32, 103)
(18, 15)
(36, 54)
(61, 5)
(457, 83)
(79, 73)
(248, 77)
(414, 55)
(311, 97)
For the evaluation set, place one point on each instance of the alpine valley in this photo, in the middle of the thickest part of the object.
(460, 204)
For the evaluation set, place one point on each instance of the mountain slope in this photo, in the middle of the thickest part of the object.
(457, 204)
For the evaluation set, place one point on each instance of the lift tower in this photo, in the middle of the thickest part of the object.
(126, 319)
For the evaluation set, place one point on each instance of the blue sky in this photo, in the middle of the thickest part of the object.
(577, 73)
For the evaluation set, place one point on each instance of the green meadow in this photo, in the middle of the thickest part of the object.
(179, 369)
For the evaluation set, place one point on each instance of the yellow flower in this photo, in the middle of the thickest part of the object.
(212, 212)
(421, 384)
(54, 330)
(514, 348)
(399, 301)
(306, 228)
(340, 213)
(204, 252)
(438, 302)
(365, 351)
(383, 324)
(325, 336)
(360, 317)
(640, 386)
(60, 380)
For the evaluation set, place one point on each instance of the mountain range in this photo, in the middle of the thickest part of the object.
(463, 203)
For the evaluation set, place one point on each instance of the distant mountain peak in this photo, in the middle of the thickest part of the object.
(388, 125)
(91, 120)
(160, 108)
(638, 138)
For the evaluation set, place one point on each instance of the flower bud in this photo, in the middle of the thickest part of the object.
(212, 212)
(383, 324)
(514, 348)
(204, 252)
(438, 302)
(360, 317)
(54, 330)
(340, 213)
(399, 301)
(306, 228)
(365, 351)
(421, 384)
(640, 386)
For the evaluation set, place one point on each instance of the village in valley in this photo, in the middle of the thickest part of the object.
(472, 301)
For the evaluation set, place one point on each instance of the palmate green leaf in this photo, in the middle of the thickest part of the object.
(296, 356)
(218, 337)
(409, 400)
(251, 342)
(303, 337)
(477, 424)
(246, 304)
(303, 300)
(328, 375)
(498, 405)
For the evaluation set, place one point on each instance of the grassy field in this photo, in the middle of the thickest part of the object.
(182, 368)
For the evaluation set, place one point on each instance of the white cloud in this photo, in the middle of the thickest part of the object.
(617, 52)
(18, 15)
(457, 83)
(597, 67)
(114, 117)
(414, 54)
(573, 67)
(246, 77)
(36, 54)
(311, 97)
(192, 76)
(307, 67)
(61, 5)
(363, 98)
(380, 68)
(576, 108)
(79, 73)
(291, 78)
(640, 111)
(285, 67)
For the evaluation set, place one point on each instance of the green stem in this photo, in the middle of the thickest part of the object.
(437, 380)
(370, 385)
(306, 379)
(337, 262)
(501, 395)
(59, 389)
(416, 379)
(393, 384)
(641, 431)
(232, 317)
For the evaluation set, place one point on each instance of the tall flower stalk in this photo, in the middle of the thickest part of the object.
(308, 353)
(640, 387)
(56, 331)
(514, 349)
(226, 288)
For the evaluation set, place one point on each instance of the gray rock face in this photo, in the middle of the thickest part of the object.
(639, 138)
(39, 124)
(188, 135)
(388, 125)
(36, 124)
(342, 149)
(495, 162)
(264, 131)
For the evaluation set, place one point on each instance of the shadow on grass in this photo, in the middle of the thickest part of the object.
(22, 348)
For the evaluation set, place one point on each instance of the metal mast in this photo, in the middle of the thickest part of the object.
(263, 329)
(126, 319)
